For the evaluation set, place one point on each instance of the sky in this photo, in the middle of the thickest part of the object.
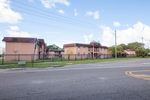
(76, 21)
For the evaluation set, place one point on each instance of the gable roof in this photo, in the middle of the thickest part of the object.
(18, 39)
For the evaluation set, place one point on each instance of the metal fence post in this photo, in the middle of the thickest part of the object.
(75, 57)
(61, 57)
(43, 57)
(2, 59)
(32, 59)
(18, 57)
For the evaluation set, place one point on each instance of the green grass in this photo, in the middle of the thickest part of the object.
(50, 64)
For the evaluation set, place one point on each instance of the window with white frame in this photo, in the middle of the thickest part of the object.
(78, 47)
(88, 48)
(78, 54)
(84, 48)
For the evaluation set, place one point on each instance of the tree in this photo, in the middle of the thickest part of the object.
(3, 54)
(124, 45)
(119, 49)
(141, 52)
(148, 50)
(53, 47)
(135, 45)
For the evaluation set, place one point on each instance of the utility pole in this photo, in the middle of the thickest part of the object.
(115, 46)
(142, 43)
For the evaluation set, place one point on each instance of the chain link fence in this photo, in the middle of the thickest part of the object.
(36, 58)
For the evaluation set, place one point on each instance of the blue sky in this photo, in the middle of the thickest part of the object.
(76, 21)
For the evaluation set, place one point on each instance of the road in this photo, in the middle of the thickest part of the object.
(117, 80)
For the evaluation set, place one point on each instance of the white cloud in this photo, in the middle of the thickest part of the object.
(75, 12)
(1, 37)
(61, 11)
(15, 28)
(116, 24)
(7, 15)
(31, 0)
(51, 3)
(95, 14)
(127, 24)
(88, 39)
(14, 33)
(126, 36)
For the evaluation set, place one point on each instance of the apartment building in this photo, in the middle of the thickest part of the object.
(55, 53)
(92, 50)
(26, 49)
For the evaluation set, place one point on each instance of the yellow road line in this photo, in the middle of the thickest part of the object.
(145, 77)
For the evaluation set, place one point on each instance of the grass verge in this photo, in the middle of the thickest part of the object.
(50, 64)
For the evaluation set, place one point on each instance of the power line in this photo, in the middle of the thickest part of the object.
(42, 24)
(53, 18)
(53, 13)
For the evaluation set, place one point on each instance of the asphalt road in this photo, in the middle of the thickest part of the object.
(117, 80)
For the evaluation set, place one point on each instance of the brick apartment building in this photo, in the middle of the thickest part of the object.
(55, 53)
(129, 51)
(24, 47)
(92, 50)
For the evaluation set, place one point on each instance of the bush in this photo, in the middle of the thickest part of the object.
(141, 52)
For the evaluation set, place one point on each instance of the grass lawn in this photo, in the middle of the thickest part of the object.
(50, 64)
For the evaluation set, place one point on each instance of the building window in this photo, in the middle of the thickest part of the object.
(104, 49)
(84, 48)
(88, 48)
(89, 55)
(97, 49)
(78, 47)
(78, 54)
(104, 55)
(101, 49)
(83, 54)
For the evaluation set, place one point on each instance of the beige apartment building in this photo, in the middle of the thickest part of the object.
(25, 49)
(54, 53)
(92, 50)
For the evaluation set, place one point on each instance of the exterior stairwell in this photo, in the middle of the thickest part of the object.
(98, 56)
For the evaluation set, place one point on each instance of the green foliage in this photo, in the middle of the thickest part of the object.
(148, 50)
(3, 54)
(123, 45)
(119, 49)
(53, 47)
(135, 45)
(141, 52)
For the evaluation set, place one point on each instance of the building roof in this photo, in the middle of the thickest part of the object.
(18, 39)
(130, 49)
(41, 41)
(55, 50)
(76, 44)
(127, 49)
(86, 45)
